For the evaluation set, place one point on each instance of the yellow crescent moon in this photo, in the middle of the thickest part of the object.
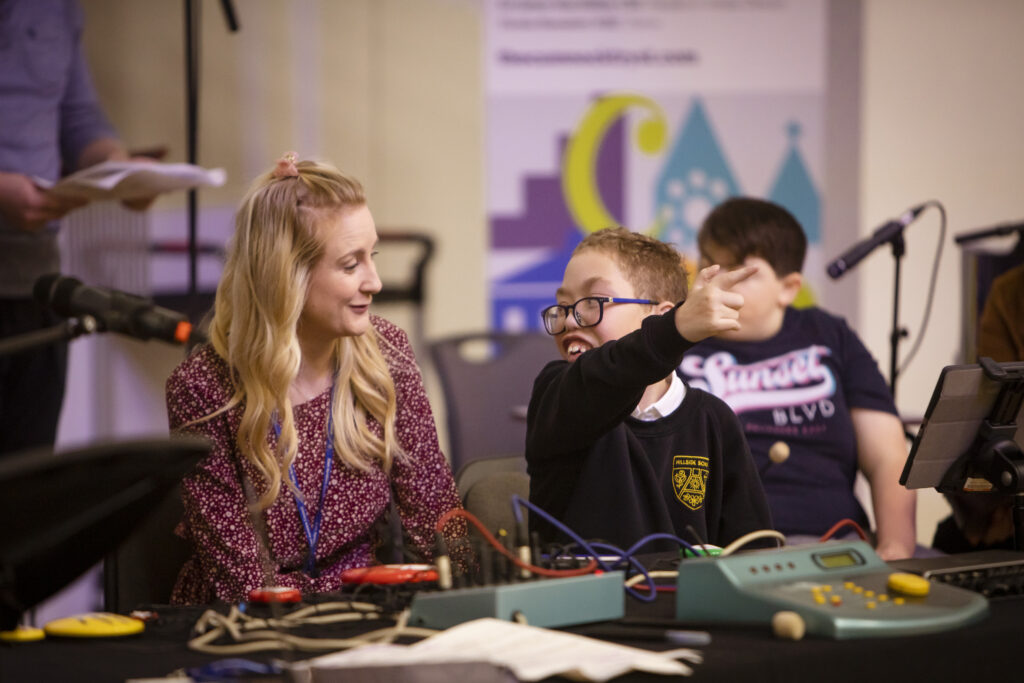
(579, 168)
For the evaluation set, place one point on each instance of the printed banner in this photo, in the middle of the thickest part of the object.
(643, 113)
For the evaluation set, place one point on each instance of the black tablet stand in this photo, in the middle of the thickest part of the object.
(995, 456)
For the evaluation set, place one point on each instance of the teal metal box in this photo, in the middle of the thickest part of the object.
(543, 602)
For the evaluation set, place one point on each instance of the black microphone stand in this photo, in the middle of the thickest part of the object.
(899, 249)
(192, 134)
(65, 331)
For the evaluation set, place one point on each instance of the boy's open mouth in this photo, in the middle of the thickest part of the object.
(574, 347)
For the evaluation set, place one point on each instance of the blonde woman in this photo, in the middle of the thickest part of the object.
(315, 407)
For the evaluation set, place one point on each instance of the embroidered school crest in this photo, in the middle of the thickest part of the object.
(690, 479)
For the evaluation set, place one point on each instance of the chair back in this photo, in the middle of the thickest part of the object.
(143, 568)
(486, 379)
(487, 486)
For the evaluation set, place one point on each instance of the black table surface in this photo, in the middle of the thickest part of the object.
(988, 648)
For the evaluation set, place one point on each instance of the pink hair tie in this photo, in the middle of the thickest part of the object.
(285, 167)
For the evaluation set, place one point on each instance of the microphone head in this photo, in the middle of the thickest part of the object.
(43, 289)
(60, 296)
(836, 269)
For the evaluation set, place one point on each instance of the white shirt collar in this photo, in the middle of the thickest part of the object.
(666, 405)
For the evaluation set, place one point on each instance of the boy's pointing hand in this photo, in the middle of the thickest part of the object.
(712, 307)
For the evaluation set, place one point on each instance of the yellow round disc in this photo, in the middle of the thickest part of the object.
(908, 584)
(94, 625)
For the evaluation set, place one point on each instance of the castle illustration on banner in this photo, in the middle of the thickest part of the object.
(588, 193)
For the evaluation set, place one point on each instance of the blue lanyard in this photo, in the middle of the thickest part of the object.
(313, 530)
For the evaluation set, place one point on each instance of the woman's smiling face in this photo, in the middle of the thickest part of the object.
(344, 280)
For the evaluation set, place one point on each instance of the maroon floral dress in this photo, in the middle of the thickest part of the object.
(228, 558)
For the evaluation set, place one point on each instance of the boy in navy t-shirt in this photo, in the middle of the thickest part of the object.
(617, 447)
(812, 402)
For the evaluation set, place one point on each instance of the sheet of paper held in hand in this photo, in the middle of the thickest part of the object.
(132, 180)
(531, 653)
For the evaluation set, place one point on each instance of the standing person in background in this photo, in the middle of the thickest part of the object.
(984, 521)
(49, 118)
(316, 408)
(814, 406)
(1001, 332)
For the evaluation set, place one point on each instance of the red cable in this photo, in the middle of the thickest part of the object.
(839, 525)
(541, 571)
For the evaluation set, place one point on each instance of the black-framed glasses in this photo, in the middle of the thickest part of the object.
(587, 312)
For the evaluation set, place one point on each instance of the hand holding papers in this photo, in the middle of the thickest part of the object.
(132, 180)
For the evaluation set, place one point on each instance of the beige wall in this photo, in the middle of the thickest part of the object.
(388, 90)
(391, 90)
(942, 118)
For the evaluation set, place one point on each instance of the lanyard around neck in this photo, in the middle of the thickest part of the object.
(312, 531)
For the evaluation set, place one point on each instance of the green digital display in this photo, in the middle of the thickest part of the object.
(838, 560)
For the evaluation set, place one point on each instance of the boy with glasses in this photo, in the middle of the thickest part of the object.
(617, 447)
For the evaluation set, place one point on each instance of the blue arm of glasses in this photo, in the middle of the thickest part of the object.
(620, 300)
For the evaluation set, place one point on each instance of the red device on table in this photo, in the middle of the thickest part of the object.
(275, 594)
(390, 573)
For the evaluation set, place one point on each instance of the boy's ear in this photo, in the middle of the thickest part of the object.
(664, 307)
(791, 285)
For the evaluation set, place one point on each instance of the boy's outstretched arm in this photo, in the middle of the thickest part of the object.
(711, 306)
(881, 454)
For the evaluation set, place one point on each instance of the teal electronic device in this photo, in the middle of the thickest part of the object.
(840, 589)
(543, 602)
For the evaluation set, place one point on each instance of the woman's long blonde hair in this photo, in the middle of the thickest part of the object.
(259, 299)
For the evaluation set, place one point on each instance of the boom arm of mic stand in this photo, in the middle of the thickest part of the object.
(999, 230)
(66, 331)
(229, 15)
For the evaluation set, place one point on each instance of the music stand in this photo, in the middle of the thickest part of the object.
(60, 514)
(972, 437)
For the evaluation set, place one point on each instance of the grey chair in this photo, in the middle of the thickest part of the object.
(487, 487)
(486, 379)
(143, 568)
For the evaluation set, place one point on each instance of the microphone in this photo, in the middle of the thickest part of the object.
(114, 311)
(884, 234)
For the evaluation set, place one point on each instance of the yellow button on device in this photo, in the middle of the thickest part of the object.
(94, 625)
(908, 584)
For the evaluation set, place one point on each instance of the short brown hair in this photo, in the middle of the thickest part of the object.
(655, 269)
(745, 226)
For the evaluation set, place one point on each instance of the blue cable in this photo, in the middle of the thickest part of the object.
(232, 669)
(626, 557)
(518, 502)
(625, 562)
(663, 536)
